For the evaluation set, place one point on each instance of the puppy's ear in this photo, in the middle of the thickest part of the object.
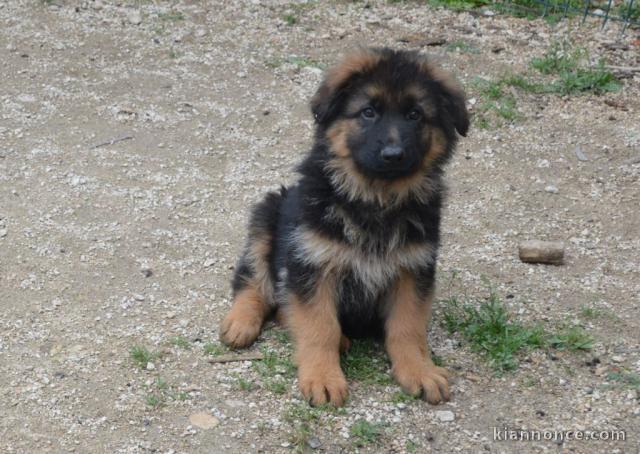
(454, 99)
(326, 101)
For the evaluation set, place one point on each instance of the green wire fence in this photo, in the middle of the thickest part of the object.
(625, 11)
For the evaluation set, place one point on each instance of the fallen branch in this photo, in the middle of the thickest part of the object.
(236, 358)
(112, 141)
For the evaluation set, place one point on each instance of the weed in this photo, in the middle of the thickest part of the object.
(401, 397)
(596, 79)
(215, 349)
(180, 342)
(591, 312)
(437, 360)
(462, 47)
(491, 330)
(458, 5)
(141, 356)
(274, 364)
(302, 417)
(365, 433)
(572, 338)
(171, 16)
(244, 385)
(161, 391)
(364, 363)
(630, 379)
(277, 386)
(153, 400)
(573, 77)
(290, 19)
(411, 446)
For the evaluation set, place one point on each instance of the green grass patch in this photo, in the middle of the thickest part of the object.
(571, 338)
(180, 342)
(462, 47)
(304, 419)
(290, 19)
(628, 379)
(365, 433)
(492, 330)
(365, 362)
(171, 16)
(459, 5)
(154, 400)
(141, 356)
(215, 349)
(573, 73)
(273, 364)
(400, 397)
(160, 392)
(497, 105)
(244, 384)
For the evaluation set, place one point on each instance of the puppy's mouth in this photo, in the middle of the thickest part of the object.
(381, 169)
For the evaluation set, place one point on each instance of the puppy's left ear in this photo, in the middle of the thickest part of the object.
(325, 103)
(454, 99)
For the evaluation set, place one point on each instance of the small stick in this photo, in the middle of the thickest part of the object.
(235, 358)
(631, 69)
(112, 141)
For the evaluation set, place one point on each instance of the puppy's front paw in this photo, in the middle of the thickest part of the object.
(428, 382)
(239, 330)
(321, 386)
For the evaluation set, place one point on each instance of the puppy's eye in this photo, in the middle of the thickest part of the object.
(369, 113)
(414, 115)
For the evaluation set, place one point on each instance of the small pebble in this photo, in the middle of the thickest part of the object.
(445, 415)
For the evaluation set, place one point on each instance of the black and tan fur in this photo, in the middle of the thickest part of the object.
(350, 249)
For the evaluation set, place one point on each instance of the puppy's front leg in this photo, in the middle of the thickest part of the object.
(316, 334)
(406, 343)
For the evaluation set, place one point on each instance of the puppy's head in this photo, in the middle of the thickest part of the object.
(389, 116)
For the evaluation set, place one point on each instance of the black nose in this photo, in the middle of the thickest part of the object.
(392, 154)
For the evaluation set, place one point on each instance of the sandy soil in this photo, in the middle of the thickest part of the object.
(107, 246)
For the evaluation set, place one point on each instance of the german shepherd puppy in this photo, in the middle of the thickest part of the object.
(350, 249)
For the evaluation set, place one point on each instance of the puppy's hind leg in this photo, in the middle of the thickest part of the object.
(253, 287)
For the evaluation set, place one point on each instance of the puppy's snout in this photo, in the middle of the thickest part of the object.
(392, 154)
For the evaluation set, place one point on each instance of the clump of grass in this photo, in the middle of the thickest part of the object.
(171, 16)
(215, 349)
(401, 397)
(275, 364)
(491, 330)
(365, 363)
(591, 312)
(574, 76)
(496, 102)
(244, 384)
(629, 379)
(180, 342)
(461, 46)
(365, 433)
(303, 418)
(141, 356)
(154, 400)
(571, 338)
(459, 5)
(161, 391)
(290, 19)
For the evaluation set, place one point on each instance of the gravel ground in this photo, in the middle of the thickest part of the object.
(106, 246)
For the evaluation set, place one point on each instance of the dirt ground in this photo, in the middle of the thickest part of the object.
(106, 246)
